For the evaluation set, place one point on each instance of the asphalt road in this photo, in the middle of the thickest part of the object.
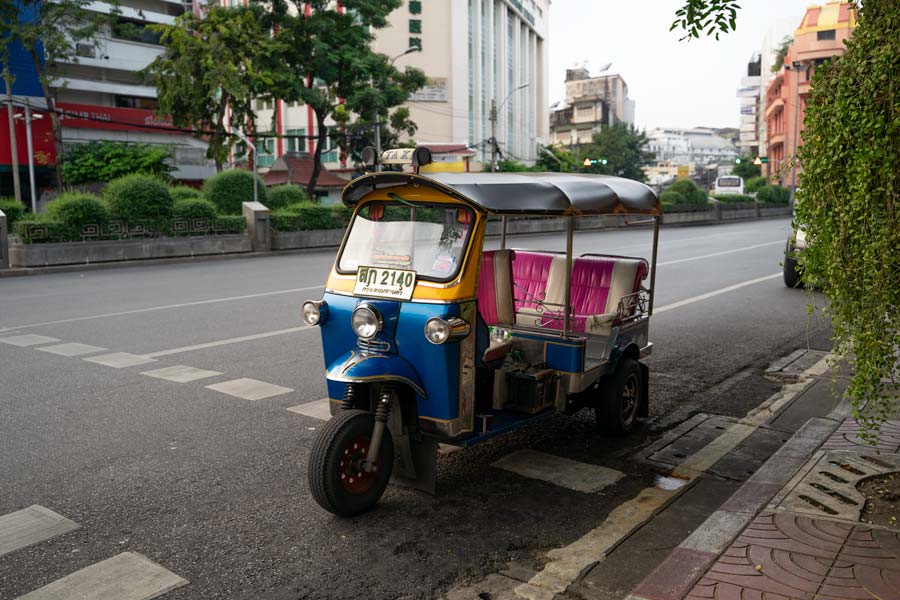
(213, 487)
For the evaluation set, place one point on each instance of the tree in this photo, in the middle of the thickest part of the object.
(210, 72)
(782, 53)
(51, 32)
(849, 205)
(746, 169)
(709, 17)
(324, 56)
(624, 150)
(555, 158)
(357, 134)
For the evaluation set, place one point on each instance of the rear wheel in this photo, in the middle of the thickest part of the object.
(337, 478)
(620, 398)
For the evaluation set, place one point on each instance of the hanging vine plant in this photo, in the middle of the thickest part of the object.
(849, 206)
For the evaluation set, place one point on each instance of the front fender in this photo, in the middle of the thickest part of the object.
(354, 367)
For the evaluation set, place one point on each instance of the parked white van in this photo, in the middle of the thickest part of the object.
(729, 184)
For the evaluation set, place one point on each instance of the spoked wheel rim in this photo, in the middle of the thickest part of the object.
(630, 396)
(354, 478)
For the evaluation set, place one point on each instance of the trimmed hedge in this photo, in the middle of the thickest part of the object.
(13, 209)
(670, 197)
(229, 189)
(137, 197)
(78, 209)
(774, 194)
(734, 198)
(45, 230)
(184, 192)
(689, 190)
(282, 196)
(752, 185)
(194, 208)
(308, 216)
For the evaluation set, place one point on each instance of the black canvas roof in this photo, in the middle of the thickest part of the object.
(523, 193)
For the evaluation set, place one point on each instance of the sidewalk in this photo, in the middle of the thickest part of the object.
(794, 529)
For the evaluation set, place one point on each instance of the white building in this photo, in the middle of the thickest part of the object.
(474, 52)
(591, 103)
(749, 97)
(783, 28)
(698, 146)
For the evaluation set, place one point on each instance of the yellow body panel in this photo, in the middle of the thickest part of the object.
(461, 288)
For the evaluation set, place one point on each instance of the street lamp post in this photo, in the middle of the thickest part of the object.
(14, 151)
(29, 117)
(493, 118)
(252, 147)
(551, 155)
(797, 65)
(377, 120)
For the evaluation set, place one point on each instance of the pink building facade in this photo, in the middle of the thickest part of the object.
(821, 36)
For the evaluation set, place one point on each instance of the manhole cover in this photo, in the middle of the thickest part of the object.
(826, 486)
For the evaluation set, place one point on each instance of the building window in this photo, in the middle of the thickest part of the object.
(828, 34)
(133, 31)
(296, 144)
(415, 26)
(415, 7)
(136, 102)
(415, 42)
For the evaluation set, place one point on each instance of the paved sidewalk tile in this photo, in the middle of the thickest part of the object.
(127, 576)
(120, 360)
(29, 339)
(71, 349)
(320, 409)
(564, 472)
(847, 438)
(30, 526)
(249, 389)
(181, 374)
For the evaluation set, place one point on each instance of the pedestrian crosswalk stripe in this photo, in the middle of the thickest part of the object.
(181, 374)
(564, 472)
(30, 339)
(127, 576)
(249, 389)
(30, 526)
(71, 349)
(319, 409)
(120, 360)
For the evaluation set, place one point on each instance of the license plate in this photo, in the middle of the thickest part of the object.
(394, 284)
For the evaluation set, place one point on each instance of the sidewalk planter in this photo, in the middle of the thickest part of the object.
(74, 253)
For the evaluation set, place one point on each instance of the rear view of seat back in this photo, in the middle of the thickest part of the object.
(626, 277)
(538, 278)
(495, 288)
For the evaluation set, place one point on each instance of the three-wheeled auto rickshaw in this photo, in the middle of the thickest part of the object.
(429, 337)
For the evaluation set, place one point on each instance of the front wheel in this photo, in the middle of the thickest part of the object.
(791, 274)
(337, 477)
(620, 398)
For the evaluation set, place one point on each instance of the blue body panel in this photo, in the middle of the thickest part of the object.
(435, 368)
(561, 355)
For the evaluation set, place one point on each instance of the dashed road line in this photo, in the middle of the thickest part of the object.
(320, 409)
(181, 374)
(127, 576)
(29, 339)
(30, 526)
(564, 472)
(225, 342)
(120, 360)
(72, 349)
(249, 389)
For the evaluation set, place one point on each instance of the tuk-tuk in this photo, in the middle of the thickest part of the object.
(429, 337)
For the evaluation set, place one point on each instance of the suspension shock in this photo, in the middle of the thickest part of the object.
(349, 401)
(382, 414)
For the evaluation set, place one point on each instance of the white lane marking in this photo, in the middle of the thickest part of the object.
(127, 576)
(119, 360)
(30, 526)
(170, 306)
(714, 254)
(181, 374)
(29, 339)
(72, 349)
(235, 340)
(320, 409)
(712, 294)
(564, 472)
(249, 389)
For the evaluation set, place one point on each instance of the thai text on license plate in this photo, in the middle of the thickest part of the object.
(394, 284)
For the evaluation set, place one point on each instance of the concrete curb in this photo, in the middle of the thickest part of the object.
(685, 565)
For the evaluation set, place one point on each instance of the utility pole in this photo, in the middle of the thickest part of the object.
(13, 145)
(493, 118)
(797, 64)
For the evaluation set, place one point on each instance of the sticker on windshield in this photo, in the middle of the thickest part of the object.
(377, 282)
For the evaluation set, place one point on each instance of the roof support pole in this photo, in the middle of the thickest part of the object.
(570, 235)
(653, 264)
(503, 232)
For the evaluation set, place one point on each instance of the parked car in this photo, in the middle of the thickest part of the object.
(793, 275)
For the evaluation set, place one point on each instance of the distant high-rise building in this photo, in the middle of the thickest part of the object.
(748, 93)
(591, 103)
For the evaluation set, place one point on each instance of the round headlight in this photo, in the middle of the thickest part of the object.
(366, 321)
(437, 330)
(312, 314)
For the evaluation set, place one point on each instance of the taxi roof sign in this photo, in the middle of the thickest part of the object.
(416, 157)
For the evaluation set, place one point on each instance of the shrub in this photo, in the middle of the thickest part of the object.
(228, 189)
(689, 190)
(774, 194)
(184, 192)
(41, 229)
(13, 209)
(78, 209)
(734, 198)
(308, 216)
(105, 161)
(670, 197)
(137, 197)
(194, 208)
(282, 196)
(752, 185)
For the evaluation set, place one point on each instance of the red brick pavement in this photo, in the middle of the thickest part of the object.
(847, 437)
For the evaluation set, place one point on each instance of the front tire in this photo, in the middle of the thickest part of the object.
(336, 478)
(620, 398)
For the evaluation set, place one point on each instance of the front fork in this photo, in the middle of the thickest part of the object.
(382, 414)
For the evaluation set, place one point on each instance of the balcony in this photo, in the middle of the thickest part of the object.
(776, 139)
(774, 105)
(121, 55)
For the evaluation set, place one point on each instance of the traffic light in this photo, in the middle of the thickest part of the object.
(594, 161)
(737, 161)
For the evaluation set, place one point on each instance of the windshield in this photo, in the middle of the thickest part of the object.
(729, 182)
(429, 239)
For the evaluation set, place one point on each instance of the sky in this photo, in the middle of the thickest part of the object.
(674, 84)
